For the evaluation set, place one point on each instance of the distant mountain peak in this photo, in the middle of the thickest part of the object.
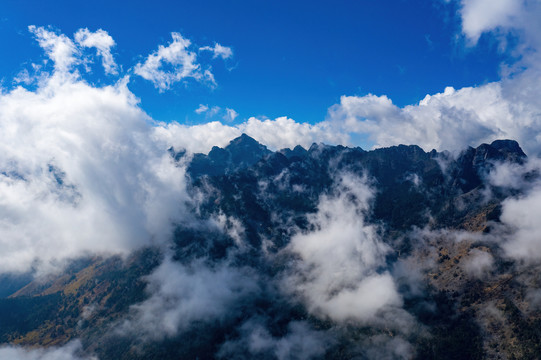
(243, 140)
(240, 153)
(508, 147)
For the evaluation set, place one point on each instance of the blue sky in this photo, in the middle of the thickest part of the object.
(292, 59)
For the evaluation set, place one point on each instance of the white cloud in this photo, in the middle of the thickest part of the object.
(81, 171)
(23, 77)
(59, 48)
(230, 114)
(277, 134)
(69, 351)
(182, 61)
(218, 51)
(103, 43)
(479, 16)
(184, 294)
(201, 109)
(478, 263)
(455, 119)
(337, 274)
(196, 138)
(521, 215)
(213, 111)
(284, 132)
(451, 120)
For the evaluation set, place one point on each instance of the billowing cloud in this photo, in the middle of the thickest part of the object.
(451, 120)
(81, 171)
(521, 215)
(284, 132)
(66, 53)
(479, 16)
(337, 273)
(277, 134)
(455, 119)
(197, 138)
(103, 43)
(518, 232)
(505, 19)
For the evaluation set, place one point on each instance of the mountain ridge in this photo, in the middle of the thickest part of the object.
(428, 210)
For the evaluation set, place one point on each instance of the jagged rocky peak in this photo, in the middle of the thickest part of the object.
(499, 150)
(474, 163)
(298, 151)
(245, 149)
(240, 153)
(245, 141)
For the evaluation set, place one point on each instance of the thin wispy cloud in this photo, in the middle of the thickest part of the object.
(218, 51)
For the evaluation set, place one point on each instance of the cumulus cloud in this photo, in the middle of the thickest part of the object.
(70, 351)
(479, 16)
(455, 119)
(103, 43)
(451, 120)
(284, 132)
(176, 62)
(338, 274)
(81, 171)
(66, 53)
(197, 138)
(218, 51)
(505, 19)
(277, 134)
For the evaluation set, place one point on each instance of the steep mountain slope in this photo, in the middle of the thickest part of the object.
(330, 252)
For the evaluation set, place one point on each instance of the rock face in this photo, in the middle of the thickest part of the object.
(426, 211)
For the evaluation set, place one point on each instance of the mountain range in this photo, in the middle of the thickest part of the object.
(328, 252)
